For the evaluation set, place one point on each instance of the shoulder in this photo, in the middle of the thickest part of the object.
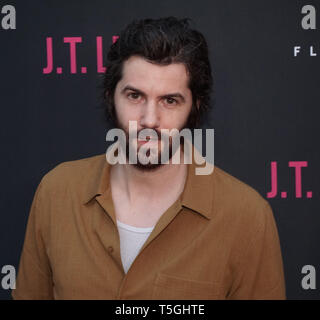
(74, 173)
(235, 188)
(239, 201)
(245, 216)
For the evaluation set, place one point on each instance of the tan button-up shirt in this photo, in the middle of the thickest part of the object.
(217, 241)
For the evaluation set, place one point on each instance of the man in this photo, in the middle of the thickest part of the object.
(150, 230)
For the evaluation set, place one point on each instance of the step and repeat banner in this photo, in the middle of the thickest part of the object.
(265, 58)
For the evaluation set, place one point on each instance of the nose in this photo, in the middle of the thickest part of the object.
(150, 115)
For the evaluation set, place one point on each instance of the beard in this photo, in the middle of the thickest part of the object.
(156, 151)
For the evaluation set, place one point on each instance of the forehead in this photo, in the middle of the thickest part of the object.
(150, 77)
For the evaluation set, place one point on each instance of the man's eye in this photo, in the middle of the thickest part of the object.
(171, 101)
(134, 95)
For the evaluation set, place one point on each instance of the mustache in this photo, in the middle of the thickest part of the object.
(148, 133)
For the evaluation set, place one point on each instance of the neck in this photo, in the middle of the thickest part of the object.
(151, 183)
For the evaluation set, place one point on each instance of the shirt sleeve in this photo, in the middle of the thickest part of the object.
(261, 275)
(34, 280)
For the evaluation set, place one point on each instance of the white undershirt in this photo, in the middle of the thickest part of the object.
(131, 241)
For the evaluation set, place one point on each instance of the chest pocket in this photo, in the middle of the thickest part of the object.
(175, 288)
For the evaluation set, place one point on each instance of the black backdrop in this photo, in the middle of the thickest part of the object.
(266, 105)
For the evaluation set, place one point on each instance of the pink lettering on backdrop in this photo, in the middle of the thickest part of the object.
(298, 165)
(73, 59)
(298, 180)
(73, 55)
(48, 68)
(100, 67)
(114, 38)
(274, 180)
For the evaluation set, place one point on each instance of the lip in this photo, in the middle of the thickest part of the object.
(140, 141)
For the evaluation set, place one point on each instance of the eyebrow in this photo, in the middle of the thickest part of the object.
(168, 95)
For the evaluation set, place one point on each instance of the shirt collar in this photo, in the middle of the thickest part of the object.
(197, 194)
(97, 180)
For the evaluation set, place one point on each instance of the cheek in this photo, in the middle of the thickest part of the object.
(175, 118)
(125, 111)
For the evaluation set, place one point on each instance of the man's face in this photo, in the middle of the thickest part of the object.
(156, 97)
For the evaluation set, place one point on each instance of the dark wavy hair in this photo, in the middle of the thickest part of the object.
(162, 41)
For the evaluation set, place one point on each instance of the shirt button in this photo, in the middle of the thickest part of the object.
(110, 249)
